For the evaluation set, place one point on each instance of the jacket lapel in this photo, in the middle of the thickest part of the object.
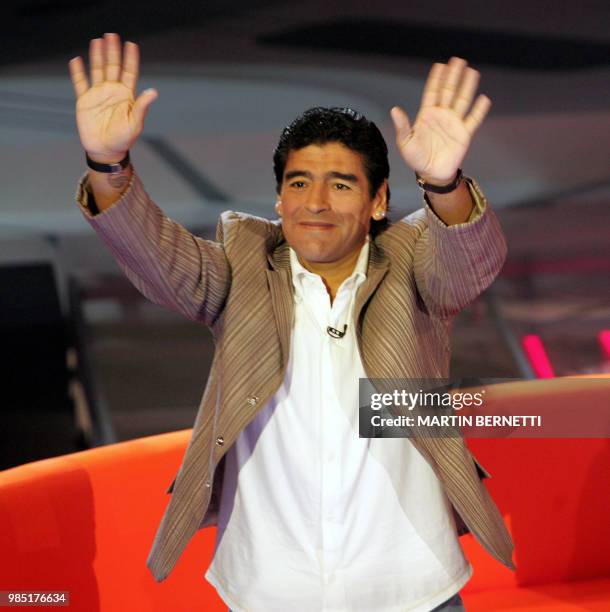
(377, 268)
(279, 278)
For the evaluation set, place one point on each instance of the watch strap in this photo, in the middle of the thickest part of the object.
(108, 168)
(440, 188)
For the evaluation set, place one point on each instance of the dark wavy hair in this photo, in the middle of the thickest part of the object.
(320, 125)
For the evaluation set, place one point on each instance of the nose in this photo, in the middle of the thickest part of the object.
(316, 201)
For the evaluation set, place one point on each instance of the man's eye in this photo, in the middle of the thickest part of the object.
(297, 184)
(341, 186)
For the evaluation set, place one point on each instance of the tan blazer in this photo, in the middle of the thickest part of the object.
(420, 274)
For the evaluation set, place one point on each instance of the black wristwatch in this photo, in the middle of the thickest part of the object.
(108, 168)
(438, 188)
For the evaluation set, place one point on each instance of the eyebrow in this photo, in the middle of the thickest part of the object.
(351, 178)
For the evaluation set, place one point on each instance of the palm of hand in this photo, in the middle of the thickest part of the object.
(108, 115)
(105, 119)
(438, 143)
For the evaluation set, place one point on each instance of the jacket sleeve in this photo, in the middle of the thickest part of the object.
(453, 264)
(164, 261)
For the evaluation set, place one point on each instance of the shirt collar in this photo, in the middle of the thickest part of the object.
(299, 272)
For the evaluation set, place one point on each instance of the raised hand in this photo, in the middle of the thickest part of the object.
(108, 115)
(436, 144)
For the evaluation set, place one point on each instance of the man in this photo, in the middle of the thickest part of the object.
(309, 515)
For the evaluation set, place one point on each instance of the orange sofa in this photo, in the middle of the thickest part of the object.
(84, 523)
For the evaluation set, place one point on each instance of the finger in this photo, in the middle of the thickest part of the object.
(402, 125)
(465, 94)
(451, 79)
(142, 104)
(477, 114)
(401, 121)
(112, 56)
(131, 66)
(96, 61)
(431, 88)
(78, 76)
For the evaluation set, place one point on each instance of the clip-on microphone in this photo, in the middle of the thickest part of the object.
(336, 333)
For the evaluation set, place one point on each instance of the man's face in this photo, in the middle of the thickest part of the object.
(324, 202)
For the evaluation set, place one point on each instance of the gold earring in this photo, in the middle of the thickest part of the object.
(380, 214)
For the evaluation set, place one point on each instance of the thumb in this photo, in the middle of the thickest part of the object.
(142, 103)
(401, 123)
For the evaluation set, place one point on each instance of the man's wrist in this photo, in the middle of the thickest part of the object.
(453, 207)
(433, 185)
(107, 159)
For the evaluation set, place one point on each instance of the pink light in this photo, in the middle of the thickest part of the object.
(534, 350)
(604, 342)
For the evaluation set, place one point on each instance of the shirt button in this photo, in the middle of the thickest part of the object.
(252, 401)
(207, 484)
(220, 440)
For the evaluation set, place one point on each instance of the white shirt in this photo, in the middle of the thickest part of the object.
(311, 516)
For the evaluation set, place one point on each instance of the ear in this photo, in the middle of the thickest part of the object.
(278, 208)
(380, 202)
